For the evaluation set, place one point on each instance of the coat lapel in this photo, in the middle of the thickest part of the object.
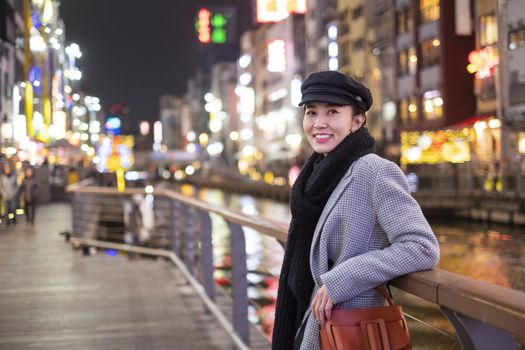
(332, 201)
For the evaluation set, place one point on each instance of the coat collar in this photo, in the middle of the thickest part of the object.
(332, 201)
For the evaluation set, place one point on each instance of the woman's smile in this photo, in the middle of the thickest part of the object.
(322, 138)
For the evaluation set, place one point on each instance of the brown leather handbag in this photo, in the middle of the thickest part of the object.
(375, 328)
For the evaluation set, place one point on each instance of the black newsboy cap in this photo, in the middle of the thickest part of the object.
(337, 88)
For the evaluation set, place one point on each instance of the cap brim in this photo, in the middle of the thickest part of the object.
(336, 100)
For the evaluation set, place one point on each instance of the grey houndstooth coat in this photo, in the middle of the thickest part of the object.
(372, 230)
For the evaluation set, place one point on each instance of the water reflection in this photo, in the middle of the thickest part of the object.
(495, 254)
(490, 253)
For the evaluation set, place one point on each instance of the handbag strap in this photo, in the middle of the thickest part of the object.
(387, 296)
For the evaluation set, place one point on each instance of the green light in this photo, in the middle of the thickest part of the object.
(218, 20)
(218, 36)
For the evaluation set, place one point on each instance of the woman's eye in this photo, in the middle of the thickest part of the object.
(332, 111)
(310, 113)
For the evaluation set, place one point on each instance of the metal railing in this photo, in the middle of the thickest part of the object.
(484, 316)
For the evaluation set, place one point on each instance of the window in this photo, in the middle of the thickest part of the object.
(428, 10)
(343, 24)
(403, 110)
(487, 88)
(407, 61)
(516, 38)
(405, 21)
(412, 109)
(344, 54)
(402, 61)
(412, 60)
(430, 52)
(383, 29)
(358, 12)
(488, 30)
(358, 44)
(432, 103)
(408, 110)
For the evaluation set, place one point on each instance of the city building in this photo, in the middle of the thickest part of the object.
(271, 68)
(321, 46)
(221, 103)
(382, 44)
(11, 67)
(356, 54)
(434, 92)
(175, 118)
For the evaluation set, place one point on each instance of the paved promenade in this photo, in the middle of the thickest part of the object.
(52, 297)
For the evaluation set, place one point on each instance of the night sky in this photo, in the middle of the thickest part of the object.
(133, 51)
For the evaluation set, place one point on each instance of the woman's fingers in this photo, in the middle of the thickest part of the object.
(328, 309)
(322, 306)
(321, 312)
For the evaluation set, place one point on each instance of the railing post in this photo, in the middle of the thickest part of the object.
(476, 335)
(188, 251)
(75, 213)
(176, 232)
(207, 255)
(240, 284)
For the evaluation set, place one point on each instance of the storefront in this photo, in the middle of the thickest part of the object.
(470, 150)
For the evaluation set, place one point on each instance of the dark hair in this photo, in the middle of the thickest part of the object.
(359, 111)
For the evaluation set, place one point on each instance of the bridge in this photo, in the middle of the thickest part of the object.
(108, 289)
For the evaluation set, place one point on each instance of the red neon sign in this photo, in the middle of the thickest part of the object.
(204, 26)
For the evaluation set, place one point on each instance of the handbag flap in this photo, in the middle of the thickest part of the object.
(372, 329)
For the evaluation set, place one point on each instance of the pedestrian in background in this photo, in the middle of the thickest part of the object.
(72, 176)
(29, 194)
(8, 190)
(354, 224)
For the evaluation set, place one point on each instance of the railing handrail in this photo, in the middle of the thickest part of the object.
(492, 304)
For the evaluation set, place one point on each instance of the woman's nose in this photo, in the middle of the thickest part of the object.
(320, 121)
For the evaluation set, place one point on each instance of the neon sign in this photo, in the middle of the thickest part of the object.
(277, 10)
(203, 26)
(483, 61)
(215, 26)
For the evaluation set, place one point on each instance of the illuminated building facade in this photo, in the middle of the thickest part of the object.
(382, 47)
(434, 89)
(356, 58)
(321, 36)
(221, 104)
(270, 71)
(11, 66)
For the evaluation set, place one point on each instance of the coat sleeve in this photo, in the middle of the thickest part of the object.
(413, 246)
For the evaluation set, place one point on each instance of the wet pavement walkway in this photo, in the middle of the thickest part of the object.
(53, 297)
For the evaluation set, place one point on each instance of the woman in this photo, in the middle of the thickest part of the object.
(29, 192)
(354, 223)
(8, 190)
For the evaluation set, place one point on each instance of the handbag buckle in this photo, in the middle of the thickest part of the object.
(375, 334)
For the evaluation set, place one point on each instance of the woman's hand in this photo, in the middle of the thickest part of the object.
(322, 305)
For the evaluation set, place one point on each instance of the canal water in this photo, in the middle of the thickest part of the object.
(486, 252)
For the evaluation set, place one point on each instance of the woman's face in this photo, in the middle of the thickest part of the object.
(326, 125)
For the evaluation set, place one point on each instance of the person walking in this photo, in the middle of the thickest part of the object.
(28, 193)
(8, 190)
(354, 223)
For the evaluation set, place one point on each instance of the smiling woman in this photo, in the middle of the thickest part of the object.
(354, 224)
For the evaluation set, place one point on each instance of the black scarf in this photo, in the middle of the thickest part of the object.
(316, 182)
